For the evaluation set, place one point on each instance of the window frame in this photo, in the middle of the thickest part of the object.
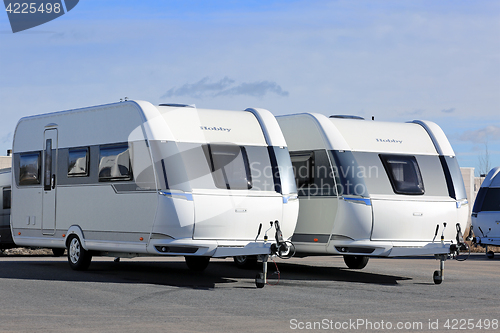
(418, 187)
(209, 155)
(86, 173)
(111, 178)
(21, 178)
(489, 203)
(314, 184)
(308, 158)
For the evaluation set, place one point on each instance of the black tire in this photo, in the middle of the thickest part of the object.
(356, 262)
(197, 264)
(259, 280)
(490, 254)
(58, 252)
(437, 278)
(245, 262)
(79, 259)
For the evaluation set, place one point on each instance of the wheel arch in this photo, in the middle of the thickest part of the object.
(73, 231)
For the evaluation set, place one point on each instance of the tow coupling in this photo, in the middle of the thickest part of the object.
(454, 252)
(282, 249)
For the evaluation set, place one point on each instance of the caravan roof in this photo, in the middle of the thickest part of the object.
(416, 137)
(492, 179)
(170, 123)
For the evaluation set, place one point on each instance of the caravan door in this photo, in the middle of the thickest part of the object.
(49, 182)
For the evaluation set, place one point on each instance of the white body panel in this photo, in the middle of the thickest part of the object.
(135, 178)
(374, 220)
(486, 212)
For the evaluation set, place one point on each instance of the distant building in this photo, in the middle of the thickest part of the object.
(5, 162)
(472, 185)
(470, 189)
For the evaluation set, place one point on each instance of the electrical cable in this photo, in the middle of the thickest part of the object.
(276, 272)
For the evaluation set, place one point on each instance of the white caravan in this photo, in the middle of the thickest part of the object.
(5, 190)
(370, 188)
(486, 212)
(132, 179)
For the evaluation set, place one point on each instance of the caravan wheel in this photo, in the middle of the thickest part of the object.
(356, 262)
(78, 258)
(197, 263)
(245, 262)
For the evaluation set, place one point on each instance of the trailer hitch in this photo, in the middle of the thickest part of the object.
(454, 252)
(478, 241)
(282, 249)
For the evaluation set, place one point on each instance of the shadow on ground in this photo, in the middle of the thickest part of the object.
(176, 273)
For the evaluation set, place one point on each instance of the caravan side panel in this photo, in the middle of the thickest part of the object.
(113, 209)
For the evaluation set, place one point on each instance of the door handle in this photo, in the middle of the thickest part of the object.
(53, 182)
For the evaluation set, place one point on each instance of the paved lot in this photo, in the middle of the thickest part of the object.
(42, 294)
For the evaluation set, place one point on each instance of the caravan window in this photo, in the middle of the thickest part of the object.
(313, 173)
(491, 199)
(229, 166)
(29, 169)
(114, 163)
(284, 176)
(6, 198)
(303, 164)
(78, 162)
(404, 174)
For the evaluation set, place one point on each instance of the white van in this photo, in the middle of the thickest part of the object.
(374, 189)
(486, 212)
(133, 179)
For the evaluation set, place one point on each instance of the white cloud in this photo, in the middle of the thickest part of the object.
(200, 88)
(225, 87)
(6, 138)
(483, 135)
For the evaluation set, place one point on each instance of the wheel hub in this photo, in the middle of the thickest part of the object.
(74, 251)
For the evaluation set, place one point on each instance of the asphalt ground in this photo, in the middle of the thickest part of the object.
(42, 294)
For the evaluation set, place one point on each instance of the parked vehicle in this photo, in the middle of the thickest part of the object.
(374, 189)
(486, 212)
(6, 241)
(133, 179)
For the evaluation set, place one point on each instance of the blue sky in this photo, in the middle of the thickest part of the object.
(396, 60)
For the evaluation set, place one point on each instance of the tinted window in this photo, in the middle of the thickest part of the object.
(285, 167)
(456, 176)
(114, 163)
(229, 166)
(48, 165)
(404, 174)
(349, 175)
(6, 198)
(303, 164)
(313, 173)
(491, 201)
(78, 161)
(261, 168)
(29, 169)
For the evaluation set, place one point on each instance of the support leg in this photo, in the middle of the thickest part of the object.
(439, 275)
(261, 278)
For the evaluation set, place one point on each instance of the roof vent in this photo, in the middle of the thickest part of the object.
(174, 105)
(343, 116)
